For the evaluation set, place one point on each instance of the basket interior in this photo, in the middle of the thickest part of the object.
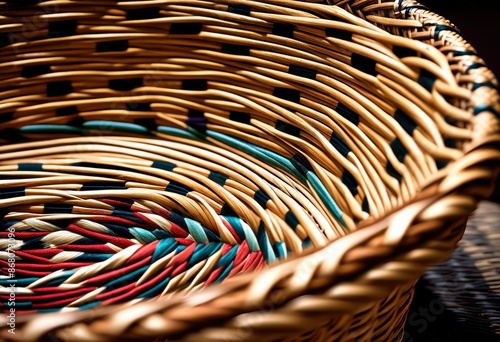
(158, 146)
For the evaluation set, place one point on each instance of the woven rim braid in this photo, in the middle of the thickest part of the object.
(232, 170)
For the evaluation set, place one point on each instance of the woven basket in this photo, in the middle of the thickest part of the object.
(233, 170)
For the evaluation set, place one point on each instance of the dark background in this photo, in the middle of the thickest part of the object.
(479, 22)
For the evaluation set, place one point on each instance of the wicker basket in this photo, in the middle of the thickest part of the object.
(233, 170)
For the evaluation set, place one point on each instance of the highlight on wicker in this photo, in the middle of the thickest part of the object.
(232, 170)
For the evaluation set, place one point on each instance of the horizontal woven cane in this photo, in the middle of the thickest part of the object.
(232, 170)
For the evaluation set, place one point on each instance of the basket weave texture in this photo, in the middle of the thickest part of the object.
(468, 282)
(233, 170)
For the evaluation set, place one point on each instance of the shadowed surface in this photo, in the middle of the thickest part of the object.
(459, 300)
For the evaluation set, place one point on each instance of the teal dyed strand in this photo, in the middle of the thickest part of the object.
(89, 305)
(263, 154)
(237, 143)
(250, 238)
(48, 310)
(325, 196)
(283, 163)
(24, 305)
(228, 257)
(280, 248)
(197, 133)
(155, 290)
(163, 248)
(244, 231)
(106, 126)
(253, 151)
(196, 230)
(265, 245)
(18, 282)
(46, 128)
(225, 273)
(160, 234)
(143, 235)
(180, 248)
(92, 257)
(178, 132)
(202, 252)
(126, 279)
(59, 279)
